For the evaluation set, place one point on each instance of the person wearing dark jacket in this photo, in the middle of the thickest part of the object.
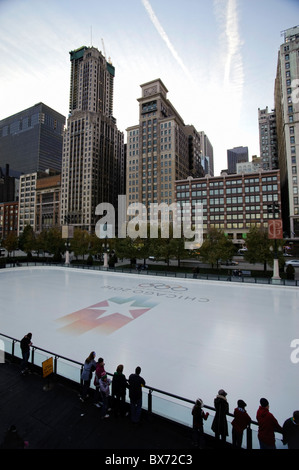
(135, 393)
(240, 422)
(268, 425)
(290, 431)
(219, 425)
(25, 348)
(198, 416)
(119, 388)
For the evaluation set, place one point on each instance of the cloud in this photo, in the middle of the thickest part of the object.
(164, 36)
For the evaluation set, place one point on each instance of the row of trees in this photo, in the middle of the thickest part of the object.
(216, 246)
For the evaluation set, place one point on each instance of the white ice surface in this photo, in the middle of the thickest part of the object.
(190, 337)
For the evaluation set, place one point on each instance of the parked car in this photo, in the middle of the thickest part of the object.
(292, 262)
(228, 262)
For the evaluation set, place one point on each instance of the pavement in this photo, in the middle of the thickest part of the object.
(49, 415)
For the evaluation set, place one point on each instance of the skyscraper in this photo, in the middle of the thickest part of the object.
(234, 156)
(93, 148)
(31, 140)
(287, 120)
(268, 139)
(157, 148)
(207, 153)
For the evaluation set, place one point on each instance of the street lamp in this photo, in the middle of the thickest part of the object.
(274, 209)
(67, 234)
(67, 253)
(105, 251)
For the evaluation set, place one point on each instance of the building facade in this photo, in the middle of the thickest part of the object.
(27, 201)
(93, 147)
(47, 213)
(158, 149)
(207, 154)
(195, 152)
(232, 203)
(268, 139)
(234, 156)
(287, 121)
(31, 140)
(8, 219)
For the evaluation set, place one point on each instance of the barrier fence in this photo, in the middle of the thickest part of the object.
(159, 402)
(245, 278)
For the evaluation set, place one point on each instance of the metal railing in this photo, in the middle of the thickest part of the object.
(174, 408)
(174, 274)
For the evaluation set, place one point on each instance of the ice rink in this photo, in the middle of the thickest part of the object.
(190, 337)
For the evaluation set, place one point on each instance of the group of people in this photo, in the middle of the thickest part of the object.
(267, 424)
(119, 386)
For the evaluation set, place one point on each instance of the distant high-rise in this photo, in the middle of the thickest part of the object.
(31, 140)
(93, 148)
(268, 139)
(158, 149)
(287, 121)
(207, 154)
(234, 156)
(195, 152)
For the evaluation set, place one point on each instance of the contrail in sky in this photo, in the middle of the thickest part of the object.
(233, 58)
(227, 15)
(164, 36)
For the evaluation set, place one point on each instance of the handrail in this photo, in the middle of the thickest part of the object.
(150, 389)
(201, 276)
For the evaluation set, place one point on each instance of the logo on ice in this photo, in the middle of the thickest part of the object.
(157, 217)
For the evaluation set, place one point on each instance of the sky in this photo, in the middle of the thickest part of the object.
(217, 58)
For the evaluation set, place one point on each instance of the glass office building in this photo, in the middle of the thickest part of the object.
(31, 140)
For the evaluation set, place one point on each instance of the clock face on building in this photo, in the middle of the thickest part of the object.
(150, 91)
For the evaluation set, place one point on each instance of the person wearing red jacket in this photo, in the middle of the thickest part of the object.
(240, 422)
(268, 425)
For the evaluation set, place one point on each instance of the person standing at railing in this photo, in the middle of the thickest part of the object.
(219, 425)
(119, 388)
(198, 416)
(240, 422)
(105, 392)
(88, 368)
(25, 348)
(290, 431)
(268, 425)
(135, 393)
(100, 369)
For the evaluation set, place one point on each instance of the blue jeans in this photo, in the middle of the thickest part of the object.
(136, 410)
(25, 359)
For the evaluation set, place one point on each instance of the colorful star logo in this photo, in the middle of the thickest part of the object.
(106, 316)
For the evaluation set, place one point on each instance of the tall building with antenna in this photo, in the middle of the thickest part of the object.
(93, 147)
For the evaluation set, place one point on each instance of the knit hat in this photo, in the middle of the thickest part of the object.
(199, 402)
(264, 402)
(241, 404)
